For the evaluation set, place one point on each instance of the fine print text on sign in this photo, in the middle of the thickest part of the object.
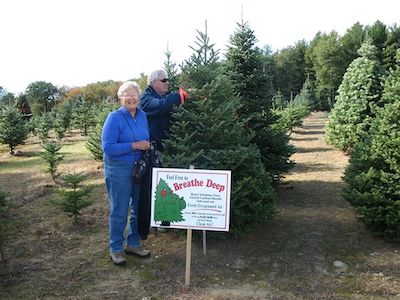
(190, 198)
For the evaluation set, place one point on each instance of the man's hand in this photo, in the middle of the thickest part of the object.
(183, 95)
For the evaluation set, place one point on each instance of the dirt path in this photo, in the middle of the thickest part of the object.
(314, 248)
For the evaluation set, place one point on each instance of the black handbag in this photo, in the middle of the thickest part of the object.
(141, 166)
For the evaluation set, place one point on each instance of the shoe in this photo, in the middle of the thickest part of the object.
(117, 258)
(140, 251)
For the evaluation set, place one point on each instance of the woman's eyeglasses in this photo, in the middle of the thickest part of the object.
(164, 80)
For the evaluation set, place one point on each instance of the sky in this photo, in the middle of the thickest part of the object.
(77, 42)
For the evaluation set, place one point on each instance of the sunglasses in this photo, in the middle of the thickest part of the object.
(164, 80)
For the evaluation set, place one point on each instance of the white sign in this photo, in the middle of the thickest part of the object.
(190, 198)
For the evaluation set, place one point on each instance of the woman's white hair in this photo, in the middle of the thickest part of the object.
(157, 75)
(126, 86)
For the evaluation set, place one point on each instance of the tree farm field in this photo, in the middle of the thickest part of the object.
(315, 247)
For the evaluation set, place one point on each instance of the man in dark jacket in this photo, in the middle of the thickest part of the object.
(157, 102)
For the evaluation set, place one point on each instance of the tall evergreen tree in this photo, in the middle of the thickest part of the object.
(359, 92)
(208, 134)
(244, 67)
(325, 54)
(350, 42)
(373, 175)
(290, 69)
(391, 45)
(378, 33)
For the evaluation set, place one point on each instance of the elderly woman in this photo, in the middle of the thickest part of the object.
(125, 134)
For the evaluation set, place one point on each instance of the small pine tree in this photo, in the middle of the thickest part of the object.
(306, 95)
(65, 114)
(278, 102)
(52, 157)
(31, 125)
(93, 142)
(62, 119)
(74, 196)
(43, 125)
(59, 129)
(84, 116)
(13, 129)
(5, 207)
(291, 116)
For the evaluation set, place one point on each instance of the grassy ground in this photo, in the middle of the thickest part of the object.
(314, 248)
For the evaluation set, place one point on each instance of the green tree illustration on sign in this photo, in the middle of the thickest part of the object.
(167, 205)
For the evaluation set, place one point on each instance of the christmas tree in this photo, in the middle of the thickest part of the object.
(208, 133)
(358, 95)
(244, 67)
(93, 142)
(373, 175)
(13, 129)
(167, 205)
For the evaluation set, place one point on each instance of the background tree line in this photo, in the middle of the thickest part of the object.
(323, 61)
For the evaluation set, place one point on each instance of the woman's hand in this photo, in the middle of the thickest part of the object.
(141, 145)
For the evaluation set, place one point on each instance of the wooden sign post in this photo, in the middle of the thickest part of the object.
(188, 256)
(188, 251)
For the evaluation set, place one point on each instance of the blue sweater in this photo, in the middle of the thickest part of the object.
(158, 111)
(117, 136)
